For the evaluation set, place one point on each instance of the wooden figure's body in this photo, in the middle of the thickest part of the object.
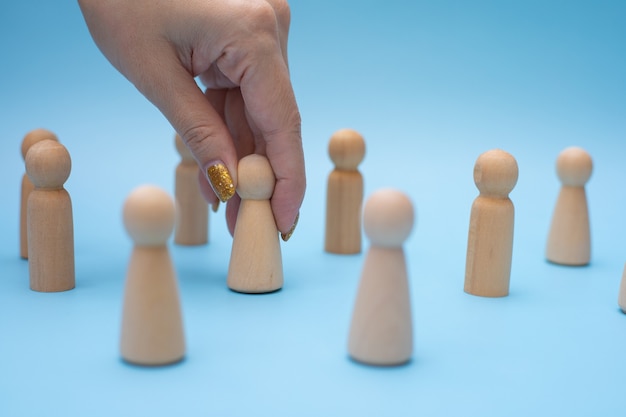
(256, 260)
(490, 237)
(50, 227)
(490, 246)
(381, 331)
(152, 328)
(30, 139)
(152, 325)
(192, 211)
(344, 193)
(569, 239)
(621, 299)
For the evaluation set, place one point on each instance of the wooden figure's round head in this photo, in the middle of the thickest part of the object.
(255, 178)
(388, 218)
(346, 149)
(35, 136)
(149, 215)
(48, 164)
(495, 173)
(574, 166)
(182, 149)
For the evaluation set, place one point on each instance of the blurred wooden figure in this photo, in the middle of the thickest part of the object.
(32, 137)
(50, 229)
(192, 211)
(621, 300)
(152, 325)
(345, 193)
(381, 332)
(569, 240)
(256, 263)
(490, 240)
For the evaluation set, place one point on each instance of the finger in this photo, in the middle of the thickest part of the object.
(232, 210)
(271, 104)
(174, 91)
(237, 123)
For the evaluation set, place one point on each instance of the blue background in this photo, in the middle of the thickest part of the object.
(431, 85)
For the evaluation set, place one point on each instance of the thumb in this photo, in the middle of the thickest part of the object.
(175, 92)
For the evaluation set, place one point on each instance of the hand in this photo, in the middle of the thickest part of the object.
(238, 48)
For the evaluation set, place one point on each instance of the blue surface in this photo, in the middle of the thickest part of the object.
(431, 85)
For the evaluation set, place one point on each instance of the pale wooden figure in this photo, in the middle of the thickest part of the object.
(152, 324)
(569, 240)
(345, 193)
(50, 228)
(32, 137)
(381, 332)
(490, 240)
(255, 262)
(192, 210)
(621, 300)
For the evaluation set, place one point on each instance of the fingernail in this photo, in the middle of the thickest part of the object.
(221, 181)
(286, 236)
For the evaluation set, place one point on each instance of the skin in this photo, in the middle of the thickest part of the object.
(238, 49)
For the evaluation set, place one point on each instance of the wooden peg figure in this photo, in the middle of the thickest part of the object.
(345, 193)
(32, 137)
(621, 299)
(255, 262)
(192, 211)
(152, 325)
(490, 241)
(50, 229)
(381, 332)
(569, 240)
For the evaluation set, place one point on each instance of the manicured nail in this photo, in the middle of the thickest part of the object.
(221, 181)
(286, 236)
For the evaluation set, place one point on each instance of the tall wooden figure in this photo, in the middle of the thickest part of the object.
(50, 226)
(255, 262)
(345, 193)
(381, 332)
(490, 240)
(152, 325)
(32, 137)
(192, 211)
(569, 240)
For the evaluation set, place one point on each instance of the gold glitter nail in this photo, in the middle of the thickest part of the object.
(286, 236)
(221, 182)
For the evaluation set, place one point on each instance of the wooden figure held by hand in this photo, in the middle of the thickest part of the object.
(255, 262)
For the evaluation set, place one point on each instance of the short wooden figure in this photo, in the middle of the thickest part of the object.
(255, 262)
(345, 193)
(30, 139)
(192, 211)
(569, 240)
(621, 300)
(381, 332)
(490, 240)
(152, 325)
(50, 228)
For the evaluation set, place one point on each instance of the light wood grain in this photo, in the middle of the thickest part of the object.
(490, 237)
(256, 260)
